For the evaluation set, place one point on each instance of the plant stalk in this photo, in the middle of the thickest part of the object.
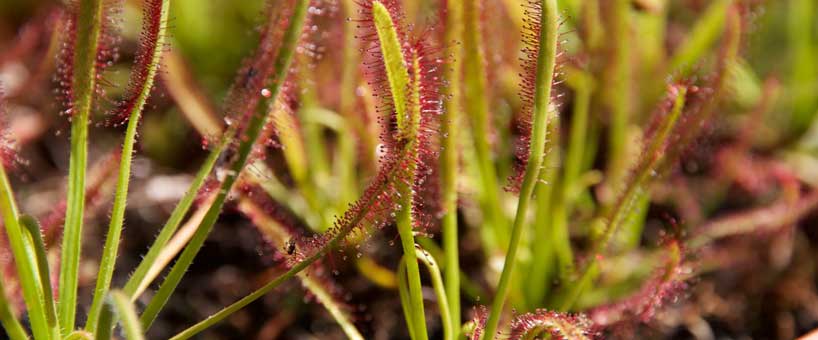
(89, 27)
(546, 62)
(25, 256)
(450, 121)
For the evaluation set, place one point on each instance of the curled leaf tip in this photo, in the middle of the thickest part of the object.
(147, 62)
(558, 325)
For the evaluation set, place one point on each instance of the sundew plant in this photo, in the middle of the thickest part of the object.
(408, 169)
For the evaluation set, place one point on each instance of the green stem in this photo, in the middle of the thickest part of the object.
(562, 238)
(405, 300)
(543, 246)
(111, 247)
(313, 134)
(34, 232)
(467, 286)
(474, 79)
(618, 95)
(254, 127)
(26, 259)
(89, 27)
(450, 122)
(801, 25)
(581, 82)
(440, 291)
(404, 221)
(570, 184)
(546, 61)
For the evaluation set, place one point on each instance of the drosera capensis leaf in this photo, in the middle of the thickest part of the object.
(148, 59)
(753, 220)
(419, 104)
(257, 113)
(84, 32)
(394, 63)
(558, 325)
(546, 24)
(405, 218)
(541, 323)
(635, 187)
(652, 156)
(152, 46)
